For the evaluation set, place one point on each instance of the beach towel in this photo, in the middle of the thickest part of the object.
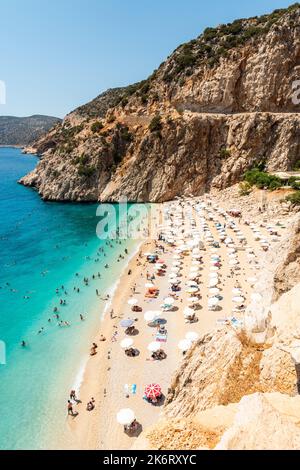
(161, 338)
(133, 389)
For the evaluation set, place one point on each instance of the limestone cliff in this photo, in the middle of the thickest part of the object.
(217, 105)
(258, 422)
(288, 273)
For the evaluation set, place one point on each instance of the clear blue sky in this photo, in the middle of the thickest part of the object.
(58, 54)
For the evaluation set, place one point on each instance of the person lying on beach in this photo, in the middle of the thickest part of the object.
(90, 405)
(93, 349)
(102, 338)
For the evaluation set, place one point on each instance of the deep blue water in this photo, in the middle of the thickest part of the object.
(43, 246)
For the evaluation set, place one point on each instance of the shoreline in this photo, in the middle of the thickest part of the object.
(92, 367)
(80, 376)
(12, 146)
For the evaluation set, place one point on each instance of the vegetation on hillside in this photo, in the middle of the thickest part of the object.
(24, 130)
(294, 198)
(155, 124)
(262, 180)
(216, 43)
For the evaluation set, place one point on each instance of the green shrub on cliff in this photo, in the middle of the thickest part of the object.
(156, 124)
(245, 188)
(296, 166)
(96, 126)
(86, 170)
(261, 179)
(294, 198)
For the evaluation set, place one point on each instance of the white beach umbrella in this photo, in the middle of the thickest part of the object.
(236, 291)
(149, 284)
(154, 346)
(177, 263)
(188, 311)
(214, 269)
(151, 315)
(132, 301)
(212, 301)
(213, 275)
(173, 275)
(192, 336)
(169, 300)
(192, 300)
(252, 280)
(184, 345)
(126, 343)
(192, 284)
(194, 270)
(125, 416)
(213, 282)
(238, 299)
(175, 269)
(196, 262)
(214, 291)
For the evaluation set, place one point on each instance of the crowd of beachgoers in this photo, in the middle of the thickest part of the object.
(200, 271)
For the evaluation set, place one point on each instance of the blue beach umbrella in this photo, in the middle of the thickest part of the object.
(127, 323)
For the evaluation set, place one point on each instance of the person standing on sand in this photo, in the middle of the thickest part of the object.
(73, 395)
(112, 313)
(70, 409)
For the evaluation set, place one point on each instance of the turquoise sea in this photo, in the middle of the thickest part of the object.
(43, 246)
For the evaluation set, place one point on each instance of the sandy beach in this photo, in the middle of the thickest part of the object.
(110, 370)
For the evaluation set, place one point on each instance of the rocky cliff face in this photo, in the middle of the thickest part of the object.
(258, 422)
(217, 105)
(288, 273)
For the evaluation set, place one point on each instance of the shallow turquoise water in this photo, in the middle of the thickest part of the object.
(43, 246)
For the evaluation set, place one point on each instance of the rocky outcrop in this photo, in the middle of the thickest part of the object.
(222, 102)
(259, 425)
(288, 273)
(187, 157)
(268, 421)
(225, 366)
